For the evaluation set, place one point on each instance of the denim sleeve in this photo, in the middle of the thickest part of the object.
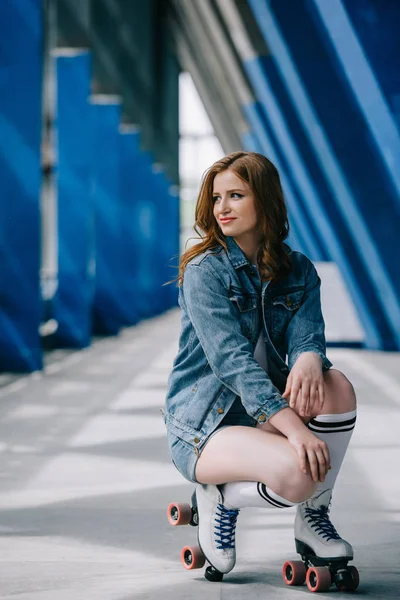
(228, 352)
(306, 330)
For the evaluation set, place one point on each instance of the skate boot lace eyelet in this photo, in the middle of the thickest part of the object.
(225, 527)
(319, 520)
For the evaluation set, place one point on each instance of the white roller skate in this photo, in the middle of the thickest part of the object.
(325, 554)
(216, 531)
(217, 524)
(314, 529)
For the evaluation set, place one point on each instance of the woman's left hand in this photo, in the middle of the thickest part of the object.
(305, 385)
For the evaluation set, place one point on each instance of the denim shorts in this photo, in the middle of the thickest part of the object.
(183, 454)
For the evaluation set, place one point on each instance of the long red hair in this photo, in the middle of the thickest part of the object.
(263, 178)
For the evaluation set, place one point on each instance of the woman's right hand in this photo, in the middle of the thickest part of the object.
(312, 452)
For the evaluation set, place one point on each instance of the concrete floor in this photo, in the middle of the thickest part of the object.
(86, 480)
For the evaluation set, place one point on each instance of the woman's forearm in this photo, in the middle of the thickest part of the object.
(287, 422)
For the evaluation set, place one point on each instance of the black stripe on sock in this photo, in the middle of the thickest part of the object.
(265, 496)
(330, 431)
(332, 424)
(262, 490)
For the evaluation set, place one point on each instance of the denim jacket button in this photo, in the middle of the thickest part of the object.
(262, 417)
(220, 411)
(289, 301)
(196, 440)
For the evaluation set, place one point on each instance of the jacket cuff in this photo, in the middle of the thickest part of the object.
(326, 363)
(268, 410)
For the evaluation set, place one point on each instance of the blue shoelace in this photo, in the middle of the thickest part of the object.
(225, 527)
(319, 520)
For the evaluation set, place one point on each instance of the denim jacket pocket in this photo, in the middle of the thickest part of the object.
(245, 302)
(283, 308)
(247, 305)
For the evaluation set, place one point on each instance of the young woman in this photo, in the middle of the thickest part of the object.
(245, 426)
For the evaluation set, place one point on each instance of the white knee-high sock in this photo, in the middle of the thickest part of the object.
(336, 432)
(242, 494)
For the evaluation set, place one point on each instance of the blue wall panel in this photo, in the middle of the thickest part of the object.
(316, 89)
(374, 231)
(20, 175)
(131, 250)
(376, 23)
(146, 219)
(73, 302)
(249, 142)
(108, 309)
(364, 35)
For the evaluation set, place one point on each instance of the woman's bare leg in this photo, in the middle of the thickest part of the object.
(263, 454)
(249, 454)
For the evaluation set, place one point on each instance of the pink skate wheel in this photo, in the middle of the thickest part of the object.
(179, 514)
(294, 572)
(318, 579)
(192, 558)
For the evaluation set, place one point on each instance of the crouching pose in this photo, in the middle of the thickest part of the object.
(245, 426)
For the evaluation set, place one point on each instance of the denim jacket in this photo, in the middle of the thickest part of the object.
(224, 305)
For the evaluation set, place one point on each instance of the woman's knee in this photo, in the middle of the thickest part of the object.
(301, 489)
(339, 391)
(295, 485)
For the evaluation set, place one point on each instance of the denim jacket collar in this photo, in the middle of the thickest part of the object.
(235, 253)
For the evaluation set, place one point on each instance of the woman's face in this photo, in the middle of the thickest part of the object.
(234, 205)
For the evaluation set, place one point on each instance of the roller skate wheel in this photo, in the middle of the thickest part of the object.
(351, 581)
(179, 514)
(318, 579)
(294, 572)
(192, 558)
